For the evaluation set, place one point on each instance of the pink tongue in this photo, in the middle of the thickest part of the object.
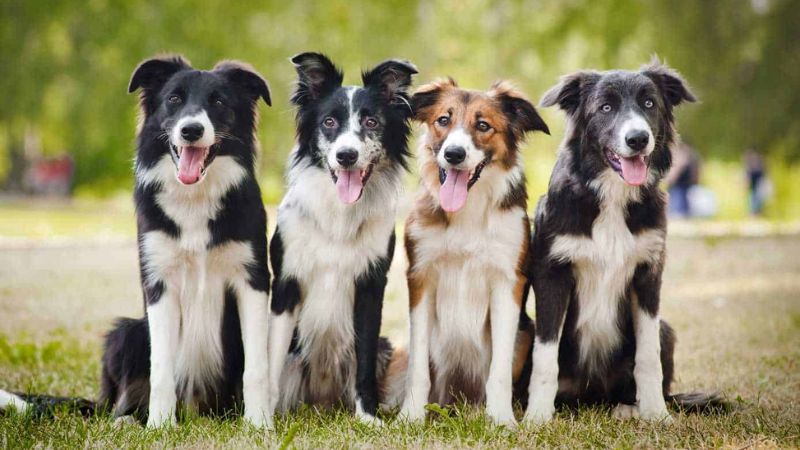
(348, 185)
(191, 164)
(453, 193)
(634, 170)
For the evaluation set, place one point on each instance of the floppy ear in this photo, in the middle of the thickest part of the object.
(316, 76)
(673, 87)
(520, 112)
(245, 76)
(567, 93)
(392, 78)
(427, 96)
(153, 73)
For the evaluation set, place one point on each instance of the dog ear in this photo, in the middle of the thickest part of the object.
(673, 87)
(393, 78)
(151, 74)
(567, 93)
(520, 112)
(246, 77)
(427, 96)
(317, 76)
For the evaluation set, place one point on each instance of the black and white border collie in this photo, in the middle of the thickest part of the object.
(599, 246)
(202, 250)
(335, 236)
(467, 241)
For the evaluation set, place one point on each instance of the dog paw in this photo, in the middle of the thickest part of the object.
(258, 419)
(411, 412)
(538, 416)
(660, 415)
(624, 412)
(368, 419)
(505, 418)
(161, 420)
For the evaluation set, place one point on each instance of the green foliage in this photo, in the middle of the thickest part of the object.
(66, 64)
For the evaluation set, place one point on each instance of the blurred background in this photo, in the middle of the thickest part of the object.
(67, 125)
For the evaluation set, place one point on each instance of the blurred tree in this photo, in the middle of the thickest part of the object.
(66, 64)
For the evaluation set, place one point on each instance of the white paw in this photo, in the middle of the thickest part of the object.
(368, 419)
(656, 414)
(503, 417)
(162, 411)
(258, 419)
(412, 412)
(539, 415)
(624, 412)
(160, 419)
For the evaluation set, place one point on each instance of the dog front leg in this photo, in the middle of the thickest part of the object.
(504, 317)
(254, 318)
(164, 321)
(647, 371)
(418, 381)
(552, 286)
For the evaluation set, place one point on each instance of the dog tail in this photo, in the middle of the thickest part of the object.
(45, 405)
(700, 402)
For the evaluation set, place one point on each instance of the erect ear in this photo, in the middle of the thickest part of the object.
(151, 74)
(427, 96)
(569, 90)
(316, 76)
(673, 87)
(246, 78)
(520, 112)
(392, 78)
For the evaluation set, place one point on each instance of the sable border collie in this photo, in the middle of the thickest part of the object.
(201, 230)
(335, 236)
(467, 243)
(599, 246)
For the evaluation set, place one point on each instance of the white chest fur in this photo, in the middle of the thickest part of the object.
(479, 247)
(327, 245)
(194, 275)
(603, 266)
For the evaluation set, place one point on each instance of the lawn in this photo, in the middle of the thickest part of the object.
(734, 301)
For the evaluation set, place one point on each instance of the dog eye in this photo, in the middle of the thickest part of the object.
(648, 103)
(175, 99)
(483, 126)
(329, 122)
(370, 123)
(606, 108)
(443, 121)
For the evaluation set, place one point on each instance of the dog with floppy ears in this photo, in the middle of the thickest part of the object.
(599, 249)
(467, 244)
(335, 237)
(202, 249)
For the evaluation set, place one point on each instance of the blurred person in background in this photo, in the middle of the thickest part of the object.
(684, 173)
(758, 184)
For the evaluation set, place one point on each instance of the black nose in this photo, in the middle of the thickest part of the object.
(347, 156)
(192, 131)
(455, 155)
(637, 139)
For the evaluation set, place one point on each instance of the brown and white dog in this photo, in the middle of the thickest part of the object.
(467, 242)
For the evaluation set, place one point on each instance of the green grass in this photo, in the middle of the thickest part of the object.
(734, 302)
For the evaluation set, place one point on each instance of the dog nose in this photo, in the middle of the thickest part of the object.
(637, 139)
(455, 155)
(192, 132)
(347, 156)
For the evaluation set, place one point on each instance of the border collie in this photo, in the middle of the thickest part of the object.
(599, 246)
(202, 249)
(467, 243)
(335, 236)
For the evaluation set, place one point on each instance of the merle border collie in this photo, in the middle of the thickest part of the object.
(201, 229)
(467, 241)
(599, 246)
(335, 236)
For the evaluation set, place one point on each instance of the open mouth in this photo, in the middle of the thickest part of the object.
(350, 183)
(192, 162)
(633, 169)
(455, 184)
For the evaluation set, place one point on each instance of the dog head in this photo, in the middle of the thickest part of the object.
(623, 118)
(195, 113)
(470, 130)
(350, 131)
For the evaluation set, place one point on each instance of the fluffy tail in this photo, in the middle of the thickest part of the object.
(45, 405)
(700, 402)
